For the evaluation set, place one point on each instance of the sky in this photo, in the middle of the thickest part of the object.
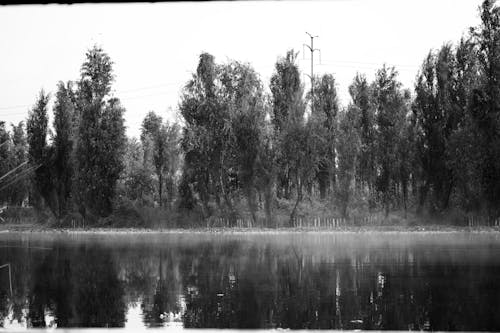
(155, 46)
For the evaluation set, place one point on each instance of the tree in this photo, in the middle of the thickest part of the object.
(348, 146)
(438, 108)
(266, 169)
(150, 127)
(161, 146)
(326, 107)
(301, 144)
(223, 109)
(38, 153)
(137, 179)
(63, 146)
(204, 135)
(464, 151)
(4, 157)
(361, 96)
(485, 105)
(101, 135)
(288, 114)
(166, 158)
(18, 156)
(389, 107)
(112, 150)
(404, 149)
(243, 96)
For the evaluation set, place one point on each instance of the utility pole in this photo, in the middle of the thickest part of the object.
(312, 49)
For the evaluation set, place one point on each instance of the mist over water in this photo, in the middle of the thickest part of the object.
(396, 281)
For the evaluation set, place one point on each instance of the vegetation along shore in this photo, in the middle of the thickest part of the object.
(251, 154)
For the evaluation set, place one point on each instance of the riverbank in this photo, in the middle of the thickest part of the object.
(28, 227)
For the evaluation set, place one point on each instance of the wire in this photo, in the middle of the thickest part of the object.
(151, 95)
(20, 176)
(148, 87)
(329, 63)
(14, 107)
(13, 170)
(116, 92)
(366, 63)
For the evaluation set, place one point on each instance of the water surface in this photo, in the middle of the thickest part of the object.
(396, 281)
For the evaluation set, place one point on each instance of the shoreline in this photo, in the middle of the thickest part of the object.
(30, 228)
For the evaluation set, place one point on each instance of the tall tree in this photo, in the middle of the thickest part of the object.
(326, 107)
(486, 102)
(137, 179)
(389, 106)
(348, 146)
(4, 158)
(63, 146)
(288, 114)
(150, 127)
(18, 156)
(101, 131)
(161, 145)
(438, 112)
(243, 95)
(204, 138)
(361, 97)
(38, 153)
(266, 168)
(464, 149)
(112, 150)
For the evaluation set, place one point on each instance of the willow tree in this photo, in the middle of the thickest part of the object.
(204, 138)
(223, 110)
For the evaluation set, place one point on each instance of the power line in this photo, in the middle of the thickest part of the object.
(363, 67)
(330, 62)
(14, 107)
(150, 95)
(370, 63)
(13, 170)
(117, 91)
(20, 176)
(148, 87)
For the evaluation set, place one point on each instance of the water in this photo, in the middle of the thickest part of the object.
(397, 281)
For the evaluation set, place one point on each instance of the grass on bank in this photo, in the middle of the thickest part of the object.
(311, 214)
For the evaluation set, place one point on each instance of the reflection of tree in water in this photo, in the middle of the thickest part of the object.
(80, 287)
(254, 287)
(164, 301)
(297, 290)
(4, 306)
(242, 284)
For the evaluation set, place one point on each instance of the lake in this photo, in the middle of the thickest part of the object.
(395, 281)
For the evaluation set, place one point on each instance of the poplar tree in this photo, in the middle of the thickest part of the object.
(101, 135)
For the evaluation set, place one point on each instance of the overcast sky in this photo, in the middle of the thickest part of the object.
(155, 47)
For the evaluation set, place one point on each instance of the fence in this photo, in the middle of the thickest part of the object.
(476, 221)
(298, 222)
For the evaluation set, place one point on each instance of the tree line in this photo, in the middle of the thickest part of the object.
(241, 150)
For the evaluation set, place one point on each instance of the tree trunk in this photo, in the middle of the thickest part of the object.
(252, 204)
(423, 194)
(299, 198)
(294, 212)
(268, 204)
(160, 188)
(323, 182)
